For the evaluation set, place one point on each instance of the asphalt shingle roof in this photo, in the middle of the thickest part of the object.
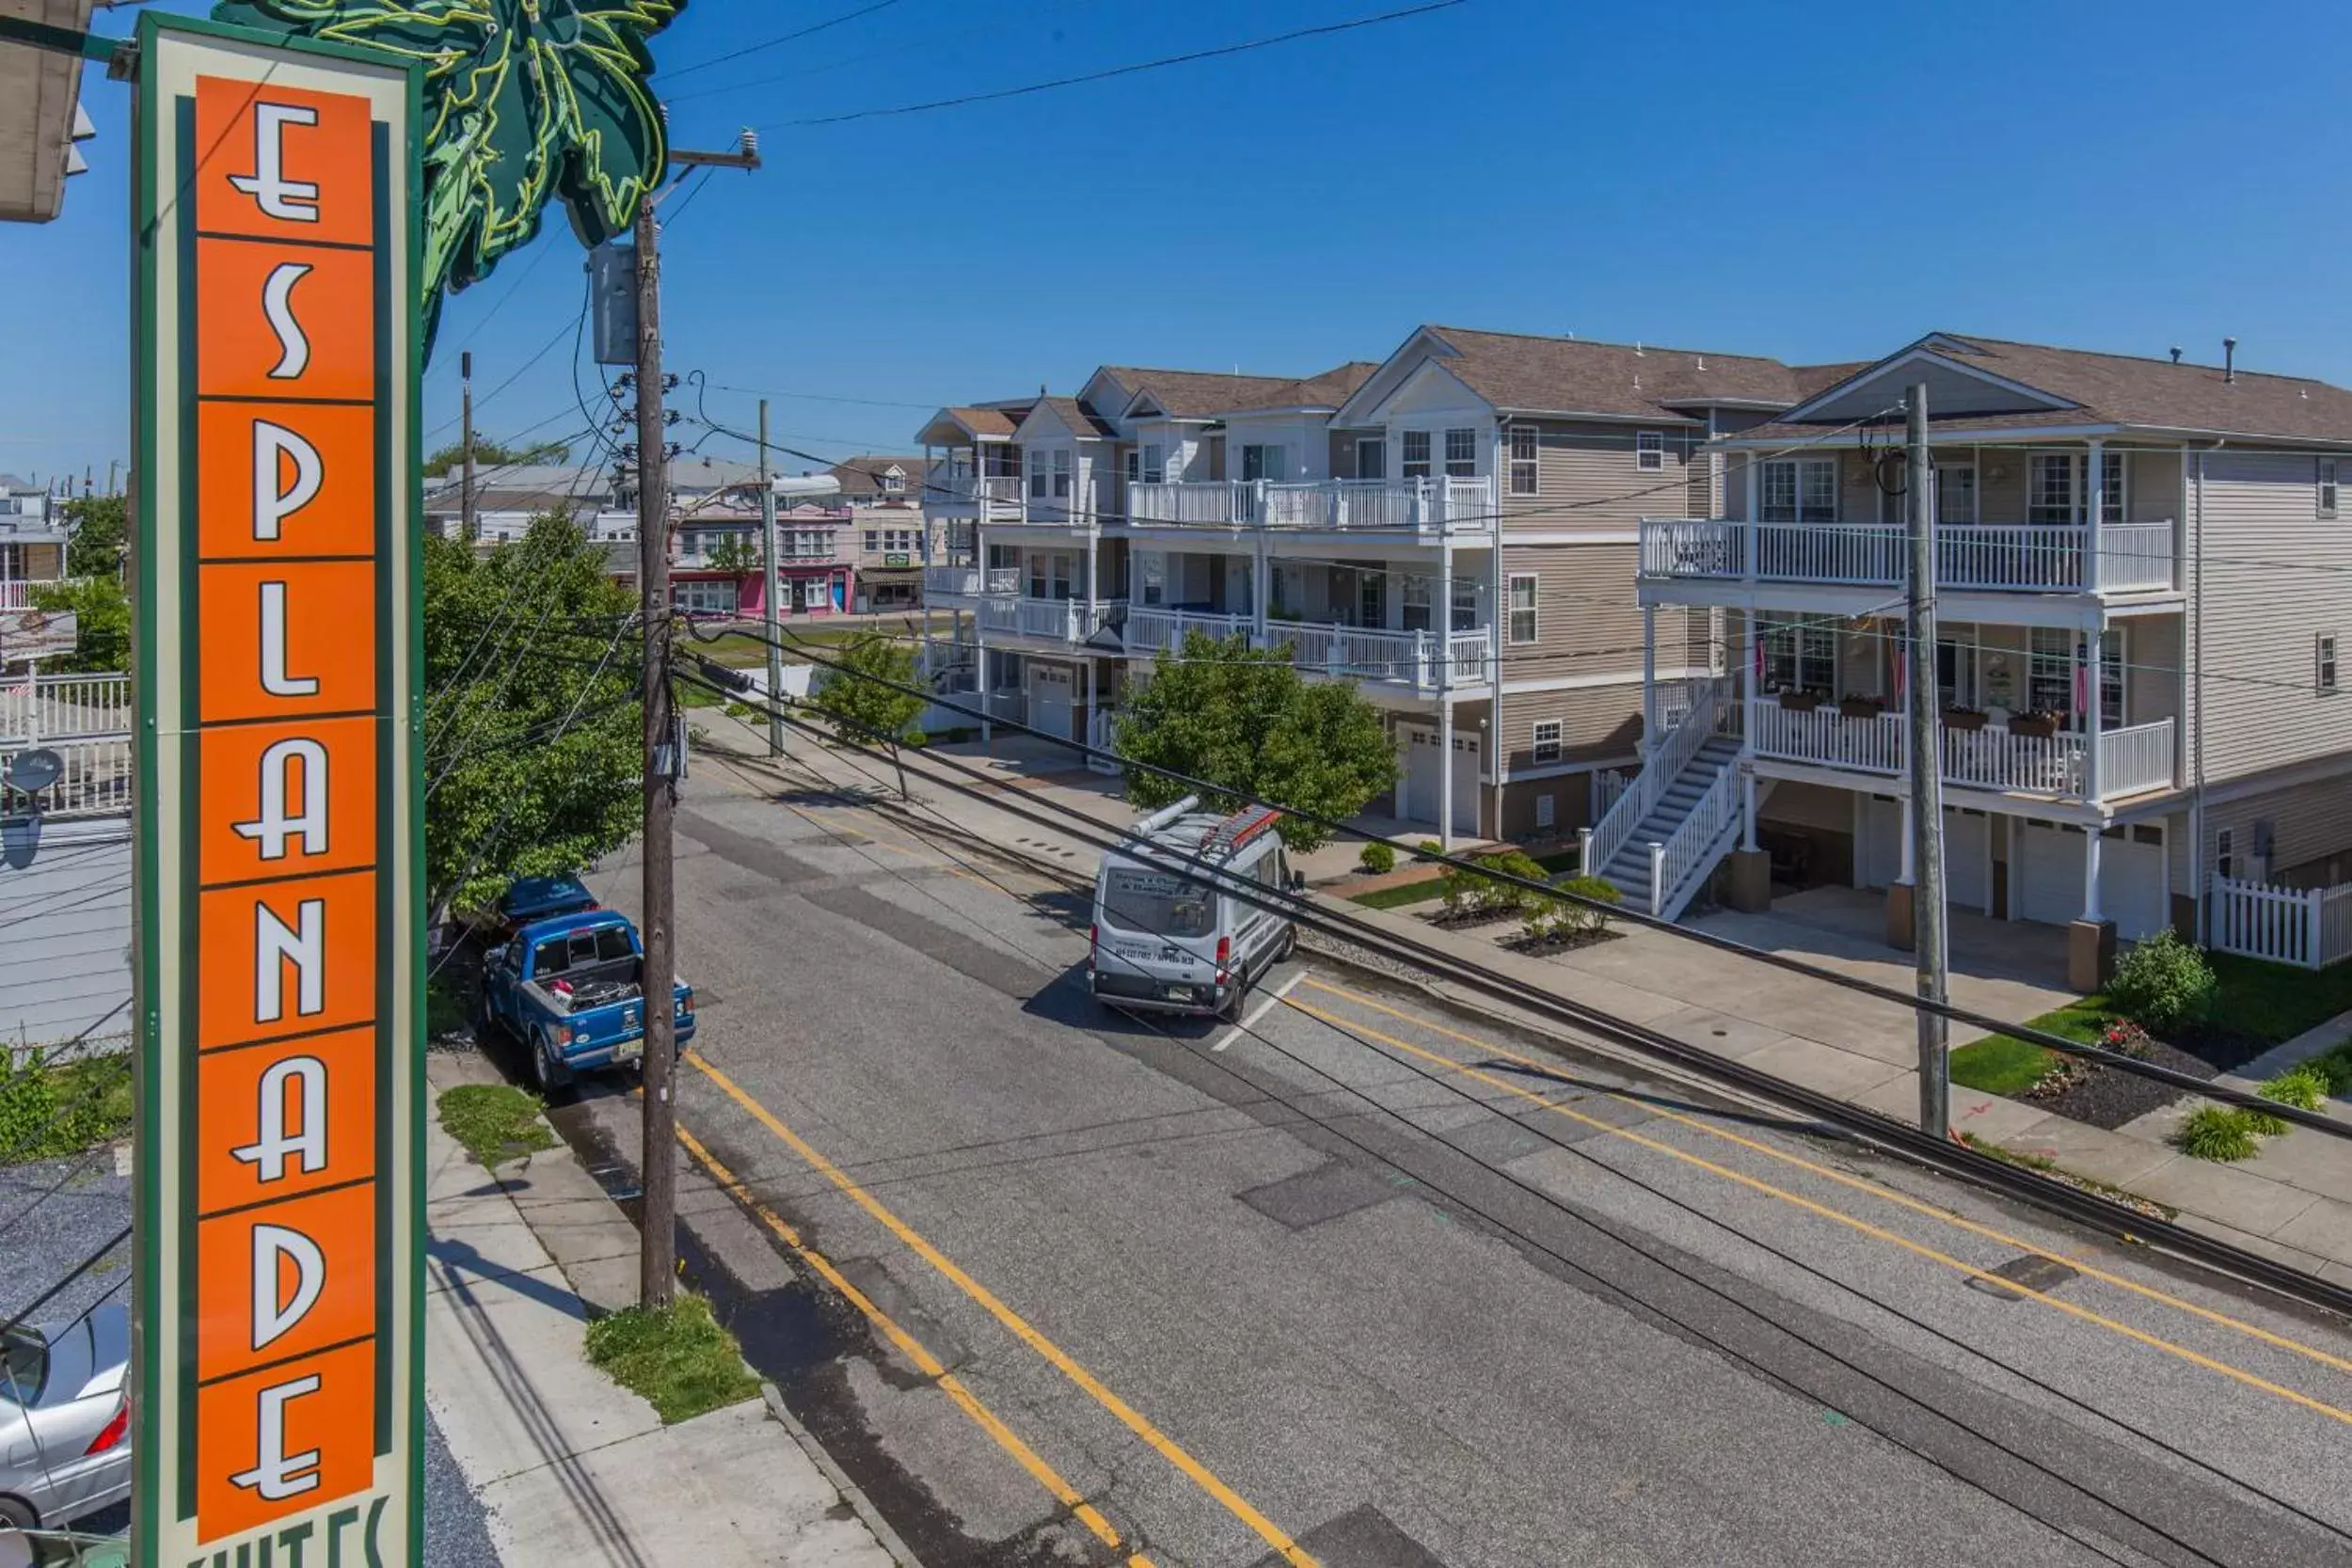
(1570, 375)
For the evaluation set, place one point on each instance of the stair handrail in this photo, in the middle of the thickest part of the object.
(1599, 843)
(1685, 848)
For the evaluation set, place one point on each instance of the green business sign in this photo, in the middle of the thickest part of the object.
(524, 100)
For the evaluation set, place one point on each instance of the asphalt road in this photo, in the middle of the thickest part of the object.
(55, 1213)
(1368, 1285)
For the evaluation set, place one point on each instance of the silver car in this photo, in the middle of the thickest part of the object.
(65, 1420)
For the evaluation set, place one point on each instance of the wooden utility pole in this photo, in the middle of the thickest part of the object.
(1928, 911)
(464, 496)
(657, 1260)
(769, 583)
(657, 1257)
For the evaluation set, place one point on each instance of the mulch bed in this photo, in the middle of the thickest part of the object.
(2108, 1097)
(1463, 920)
(1544, 947)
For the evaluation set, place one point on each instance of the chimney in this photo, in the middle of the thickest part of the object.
(2228, 359)
(2176, 354)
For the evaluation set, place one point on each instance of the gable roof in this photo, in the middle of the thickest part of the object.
(2089, 387)
(1198, 394)
(1524, 373)
(980, 421)
(1082, 421)
(863, 475)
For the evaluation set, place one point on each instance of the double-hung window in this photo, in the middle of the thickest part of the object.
(872, 535)
(2054, 675)
(1523, 601)
(2050, 488)
(1154, 462)
(1461, 453)
(2324, 663)
(1798, 490)
(2111, 488)
(2326, 486)
(1525, 474)
(1546, 742)
(1416, 454)
(1415, 604)
(1037, 473)
(1462, 605)
(1799, 654)
(1061, 473)
(1649, 450)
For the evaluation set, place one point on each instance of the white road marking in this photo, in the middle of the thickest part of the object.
(1259, 1011)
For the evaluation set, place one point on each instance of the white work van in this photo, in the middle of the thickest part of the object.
(1167, 936)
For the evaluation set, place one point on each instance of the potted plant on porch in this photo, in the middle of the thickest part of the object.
(1797, 701)
(2039, 725)
(1964, 717)
(1862, 707)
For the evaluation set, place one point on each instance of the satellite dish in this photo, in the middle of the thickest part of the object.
(30, 772)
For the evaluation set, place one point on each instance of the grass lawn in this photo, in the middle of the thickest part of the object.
(1399, 895)
(2271, 1001)
(679, 1358)
(496, 1122)
(741, 651)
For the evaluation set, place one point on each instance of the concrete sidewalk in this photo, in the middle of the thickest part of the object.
(576, 1471)
(2292, 1202)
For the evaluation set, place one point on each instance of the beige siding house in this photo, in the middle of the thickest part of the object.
(2141, 576)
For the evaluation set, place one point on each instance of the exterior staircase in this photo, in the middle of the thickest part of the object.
(1657, 843)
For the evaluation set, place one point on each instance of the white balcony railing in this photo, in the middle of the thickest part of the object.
(16, 593)
(969, 583)
(2131, 760)
(1337, 505)
(1687, 851)
(1669, 753)
(1419, 660)
(64, 708)
(962, 490)
(1997, 557)
(1057, 620)
(1154, 629)
(95, 779)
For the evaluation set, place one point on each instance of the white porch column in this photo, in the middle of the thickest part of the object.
(2095, 499)
(2092, 843)
(2093, 675)
(1756, 494)
(1092, 665)
(1445, 774)
(1750, 632)
(1649, 681)
(1747, 811)
(1093, 564)
(1261, 586)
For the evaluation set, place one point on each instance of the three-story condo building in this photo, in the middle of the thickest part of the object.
(1453, 529)
(2141, 573)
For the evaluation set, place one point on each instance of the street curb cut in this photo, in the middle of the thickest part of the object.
(851, 1492)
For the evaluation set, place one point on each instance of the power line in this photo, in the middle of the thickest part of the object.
(896, 50)
(777, 42)
(1058, 974)
(1162, 63)
(542, 354)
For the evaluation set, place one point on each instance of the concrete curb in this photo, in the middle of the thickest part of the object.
(850, 1492)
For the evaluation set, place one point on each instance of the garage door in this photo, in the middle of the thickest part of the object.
(2131, 879)
(1051, 698)
(1417, 801)
(1966, 876)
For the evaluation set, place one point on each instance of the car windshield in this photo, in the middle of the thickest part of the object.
(1165, 905)
(24, 1366)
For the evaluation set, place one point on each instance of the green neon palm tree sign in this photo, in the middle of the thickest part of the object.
(524, 100)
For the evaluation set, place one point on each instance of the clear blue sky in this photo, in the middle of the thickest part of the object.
(1798, 180)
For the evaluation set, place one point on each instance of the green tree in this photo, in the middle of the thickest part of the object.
(1244, 719)
(533, 736)
(491, 454)
(855, 692)
(733, 552)
(102, 625)
(100, 532)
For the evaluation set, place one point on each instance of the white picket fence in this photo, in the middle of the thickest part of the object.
(2308, 927)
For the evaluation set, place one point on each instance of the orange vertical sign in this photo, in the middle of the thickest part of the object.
(278, 1220)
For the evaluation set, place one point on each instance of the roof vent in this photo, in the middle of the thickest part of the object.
(1637, 348)
(1702, 359)
(2176, 354)
(2228, 359)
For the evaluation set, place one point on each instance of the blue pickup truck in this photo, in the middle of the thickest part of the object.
(571, 989)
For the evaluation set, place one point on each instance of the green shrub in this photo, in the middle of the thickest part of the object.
(678, 1357)
(2303, 1087)
(2163, 982)
(1429, 847)
(1478, 892)
(2336, 1068)
(1377, 856)
(50, 1112)
(2221, 1133)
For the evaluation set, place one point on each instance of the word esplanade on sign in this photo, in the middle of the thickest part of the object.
(280, 1387)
